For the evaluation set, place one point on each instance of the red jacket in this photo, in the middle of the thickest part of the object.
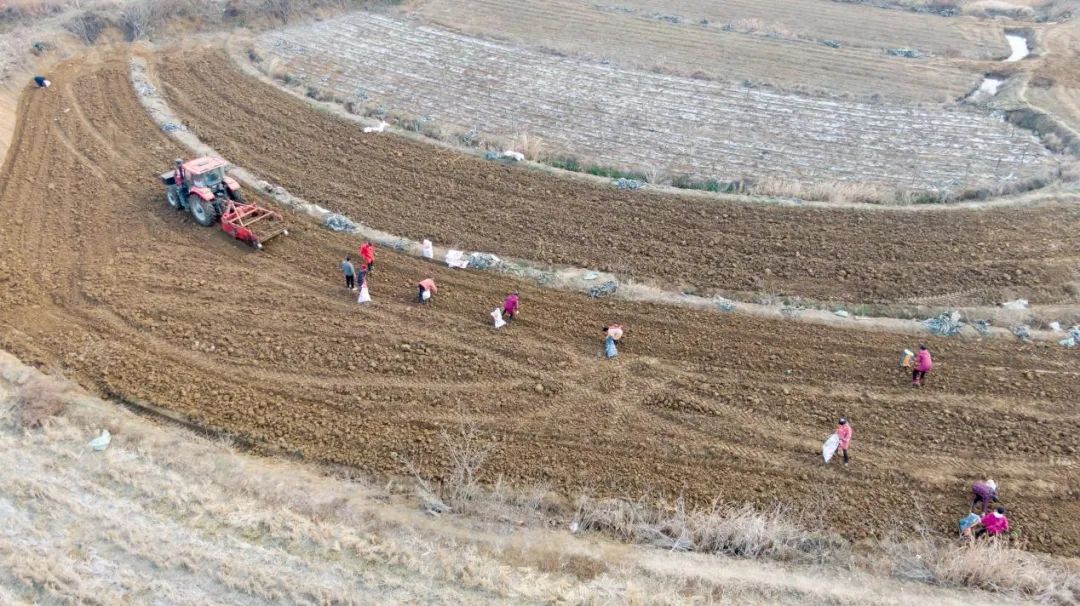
(429, 285)
(367, 251)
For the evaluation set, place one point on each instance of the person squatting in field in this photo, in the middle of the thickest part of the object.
(923, 365)
(843, 431)
(984, 493)
(510, 306)
(427, 289)
(612, 334)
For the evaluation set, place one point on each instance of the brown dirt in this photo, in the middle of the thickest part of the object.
(101, 278)
(408, 188)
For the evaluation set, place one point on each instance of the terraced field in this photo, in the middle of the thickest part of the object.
(650, 121)
(776, 42)
(271, 347)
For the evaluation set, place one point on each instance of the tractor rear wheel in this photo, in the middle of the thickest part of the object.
(202, 212)
(172, 196)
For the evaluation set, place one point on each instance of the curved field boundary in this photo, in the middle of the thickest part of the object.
(573, 279)
(649, 121)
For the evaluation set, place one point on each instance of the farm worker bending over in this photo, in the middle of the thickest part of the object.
(350, 273)
(994, 523)
(923, 364)
(367, 253)
(843, 431)
(985, 492)
(612, 334)
(41, 82)
(427, 288)
(510, 307)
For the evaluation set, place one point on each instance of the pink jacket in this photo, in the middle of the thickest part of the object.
(429, 285)
(511, 304)
(923, 361)
(995, 523)
(844, 433)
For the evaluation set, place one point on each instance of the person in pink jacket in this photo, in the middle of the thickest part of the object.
(994, 523)
(923, 364)
(843, 431)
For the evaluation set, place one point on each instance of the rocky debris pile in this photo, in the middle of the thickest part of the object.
(1073, 338)
(338, 222)
(624, 183)
(909, 53)
(946, 325)
(603, 290)
(1022, 332)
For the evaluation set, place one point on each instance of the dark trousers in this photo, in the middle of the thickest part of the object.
(845, 455)
(371, 266)
(349, 281)
(361, 276)
(918, 376)
(420, 295)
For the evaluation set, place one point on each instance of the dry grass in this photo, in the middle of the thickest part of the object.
(988, 565)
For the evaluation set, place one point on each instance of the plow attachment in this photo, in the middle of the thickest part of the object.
(252, 223)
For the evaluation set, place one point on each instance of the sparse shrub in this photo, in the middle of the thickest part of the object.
(136, 20)
(40, 398)
(528, 145)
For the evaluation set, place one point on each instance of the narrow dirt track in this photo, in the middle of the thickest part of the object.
(420, 191)
(104, 281)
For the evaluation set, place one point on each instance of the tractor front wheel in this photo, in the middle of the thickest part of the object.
(202, 212)
(172, 196)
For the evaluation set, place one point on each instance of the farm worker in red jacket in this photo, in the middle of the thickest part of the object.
(510, 306)
(367, 253)
(994, 523)
(843, 431)
(923, 364)
(427, 289)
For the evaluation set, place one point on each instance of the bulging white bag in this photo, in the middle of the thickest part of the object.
(427, 250)
(828, 449)
(365, 296)
(426, 295)
(497, 315)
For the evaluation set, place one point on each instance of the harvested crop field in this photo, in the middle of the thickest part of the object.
(776, 42)
(647, 121)
(420, 191)
(110, 285)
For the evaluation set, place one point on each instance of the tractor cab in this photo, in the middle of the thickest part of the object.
(207, 179)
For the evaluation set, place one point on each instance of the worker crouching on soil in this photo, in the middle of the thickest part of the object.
(984, 494)
(427, 288)
(923, 365)
(510, 307)
(994, 523)
(41, 82)
(350, 273)
(843, 431)
(612, 334)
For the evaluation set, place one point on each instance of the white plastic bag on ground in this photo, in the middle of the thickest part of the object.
(497, 315)
(828, 449)
(427, 250)
(101, 442)
(1017, 304)
(454, 258)
(365, 296)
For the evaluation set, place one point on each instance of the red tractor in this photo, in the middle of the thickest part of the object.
(202, 187)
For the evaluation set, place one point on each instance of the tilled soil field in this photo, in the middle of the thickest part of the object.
(104, 282)
(419, 191)
(648, 121)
